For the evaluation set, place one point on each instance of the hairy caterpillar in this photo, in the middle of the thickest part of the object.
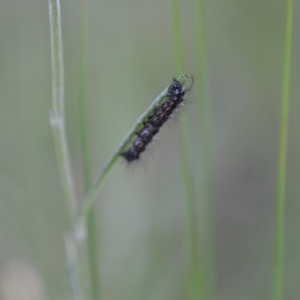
(151, 127)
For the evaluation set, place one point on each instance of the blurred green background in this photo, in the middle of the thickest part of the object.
(130, 61)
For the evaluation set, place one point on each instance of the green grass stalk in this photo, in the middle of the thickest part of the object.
(76, 263)
(57, 113)
(73, 266)
(92, 241)
(205, 167)
(281, 180)
(193, 279)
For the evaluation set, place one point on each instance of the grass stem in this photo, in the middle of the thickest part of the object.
(57, 119)
(76, 265)
(205, 168)
(193, 280)
(92, 241)
(281, 180)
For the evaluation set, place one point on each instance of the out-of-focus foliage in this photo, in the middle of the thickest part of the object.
(130, 61)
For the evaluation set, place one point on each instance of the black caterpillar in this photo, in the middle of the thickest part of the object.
(160, 116)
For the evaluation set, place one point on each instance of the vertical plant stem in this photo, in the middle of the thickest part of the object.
(72, 266)
(280, 205)
(76, 263)
(177, 37)
(87, 172)
(193, 280)
(205, 168)
(57, 112)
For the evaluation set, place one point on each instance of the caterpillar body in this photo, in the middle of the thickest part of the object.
(151, 127)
